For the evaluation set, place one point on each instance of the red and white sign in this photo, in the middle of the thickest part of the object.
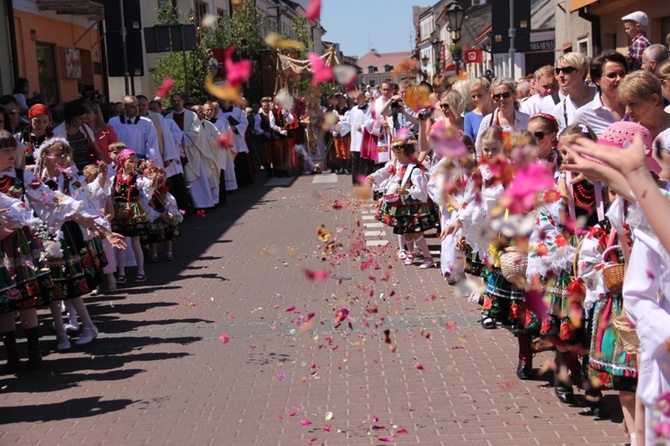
(473, 55)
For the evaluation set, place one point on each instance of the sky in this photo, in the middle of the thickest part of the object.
(359, 25)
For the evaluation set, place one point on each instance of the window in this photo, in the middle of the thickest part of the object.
(372, 69)
(201, 10)
(46, 71)
(372, 82)
(162, 3)
(388, 68)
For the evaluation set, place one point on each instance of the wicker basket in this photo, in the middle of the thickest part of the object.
(613, 273)
(513, 264)
(626, 334)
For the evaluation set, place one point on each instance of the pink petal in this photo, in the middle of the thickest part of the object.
(305, 422)
(224, 337)
(536, 304)
(316, 275)
(365, 265)
(289, 309)
(386, 439)
(313, 10)
(326, 428)
(237, 73)
(322, 73)
(402, 430)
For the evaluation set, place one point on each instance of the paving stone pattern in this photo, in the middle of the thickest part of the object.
(160, 373)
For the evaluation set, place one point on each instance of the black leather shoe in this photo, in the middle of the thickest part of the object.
(488, 323)
(564, 393)
(523, 370)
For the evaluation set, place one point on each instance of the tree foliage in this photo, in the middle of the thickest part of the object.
(172, 64)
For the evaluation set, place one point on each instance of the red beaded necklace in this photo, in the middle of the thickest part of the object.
(5, 183)
(584, 196)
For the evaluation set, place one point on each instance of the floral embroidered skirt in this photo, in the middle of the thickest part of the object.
(608, 362)
(25, 281)
(563, 310)
(130, 219)
(410, 217)
(161, 230)
(75, 273)
(501, 298)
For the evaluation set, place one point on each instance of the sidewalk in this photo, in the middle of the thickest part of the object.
(160, 372)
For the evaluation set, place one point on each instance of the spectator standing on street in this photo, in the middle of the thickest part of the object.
(546, 92)
(653, 56)
(36, 133)
(21, 92)
(571, 70)
(79, 136)
(104, 133)
(480, 92)
(635, 25)
(606, 71)
(238, 122)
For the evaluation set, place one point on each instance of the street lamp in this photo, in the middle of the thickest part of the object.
(455, 15)
(437, 51)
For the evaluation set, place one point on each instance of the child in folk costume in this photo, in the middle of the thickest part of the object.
(25, 282)
(646, 294)
(447, 187)
(470, 220)
(406, 205)
(79, 270)
(164, 215)
(98, 173)
(549, 274)
(130, 216)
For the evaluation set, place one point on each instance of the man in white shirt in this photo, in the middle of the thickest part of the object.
(353, 123)
(546, 92)
(137, 132)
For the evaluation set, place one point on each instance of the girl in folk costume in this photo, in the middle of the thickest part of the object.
(130, 216)
(280, 120)
(612, 363)
(79, 270)
(549, 273)
(99, 173)
(164, 215)
(470, 217)
(406, 205)
(25, 283)
(646, 293)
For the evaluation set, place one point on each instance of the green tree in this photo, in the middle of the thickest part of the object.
(172, 64)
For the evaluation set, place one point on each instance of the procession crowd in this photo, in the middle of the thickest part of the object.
(576, 264)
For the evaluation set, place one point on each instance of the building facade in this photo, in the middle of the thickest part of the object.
(56, 47)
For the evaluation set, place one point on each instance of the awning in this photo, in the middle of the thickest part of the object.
(74, 7)
(577, 4)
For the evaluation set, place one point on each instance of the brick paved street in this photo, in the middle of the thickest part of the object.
(159, 373)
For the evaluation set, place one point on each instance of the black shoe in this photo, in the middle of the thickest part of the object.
(564, 392)
(524, 370)
(489, 323)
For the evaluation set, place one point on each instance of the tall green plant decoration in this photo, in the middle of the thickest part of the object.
(172, 64)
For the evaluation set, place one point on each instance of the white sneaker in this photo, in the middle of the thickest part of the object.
(87, 335)
(63, 342)
(71, 328)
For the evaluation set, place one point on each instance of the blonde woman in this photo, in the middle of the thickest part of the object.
(506, 115)
(104, 133)
(480, 94)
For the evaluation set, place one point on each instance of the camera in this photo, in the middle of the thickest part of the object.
(424, 114)
(395, 105)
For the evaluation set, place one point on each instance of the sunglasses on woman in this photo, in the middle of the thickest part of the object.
(505, 95)
(539, 136)
(444, 106)
(565, 70)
